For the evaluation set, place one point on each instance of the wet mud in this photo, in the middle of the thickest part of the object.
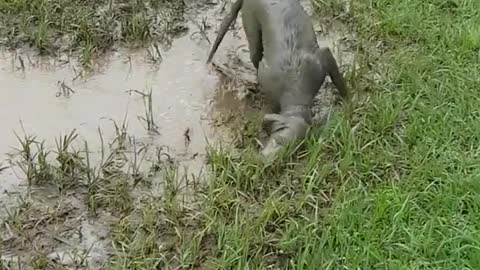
(189, 108)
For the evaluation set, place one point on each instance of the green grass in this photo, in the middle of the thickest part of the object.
(88, 27)
(408, 175)
(393, 183)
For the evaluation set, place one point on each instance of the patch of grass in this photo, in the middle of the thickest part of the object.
(90, 27)
(39, 167)
(408, 173)
(108, 183)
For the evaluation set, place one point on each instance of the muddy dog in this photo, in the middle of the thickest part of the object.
(291, 67)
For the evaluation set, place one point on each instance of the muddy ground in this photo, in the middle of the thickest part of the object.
(145, 116)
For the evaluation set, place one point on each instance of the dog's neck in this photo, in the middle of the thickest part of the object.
(302, 111)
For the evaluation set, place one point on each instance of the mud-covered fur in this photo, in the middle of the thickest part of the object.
(291, 67)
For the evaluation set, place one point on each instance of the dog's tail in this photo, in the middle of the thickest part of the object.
(227, 21)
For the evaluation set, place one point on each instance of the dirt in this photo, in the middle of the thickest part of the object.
(191, 105)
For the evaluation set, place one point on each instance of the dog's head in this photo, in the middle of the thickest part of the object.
(284, 129)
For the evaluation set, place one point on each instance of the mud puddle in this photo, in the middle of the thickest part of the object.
(181, 89)
(47, 98)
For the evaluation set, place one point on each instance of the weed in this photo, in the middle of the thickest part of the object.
(111, 187)
(40, 262)
(148, 105)
(92, 176)
(121, 136)
(64, 89)
(33, 162)
(154, 54)
(331, 8)
(201, 29)
(161, 159)
(137, 29)
(2, 168)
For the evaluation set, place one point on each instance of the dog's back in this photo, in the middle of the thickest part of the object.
(289, 72)
(286, 28)
(291, 67)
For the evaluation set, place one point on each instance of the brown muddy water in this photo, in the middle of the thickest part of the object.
(181, 91)
(186, 100)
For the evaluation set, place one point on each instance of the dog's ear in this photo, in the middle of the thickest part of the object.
(275, 122)
(272, 118)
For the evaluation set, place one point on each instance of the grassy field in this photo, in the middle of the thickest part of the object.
(394, 183)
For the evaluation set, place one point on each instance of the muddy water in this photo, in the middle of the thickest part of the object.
(31, 101)
(181, 88)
